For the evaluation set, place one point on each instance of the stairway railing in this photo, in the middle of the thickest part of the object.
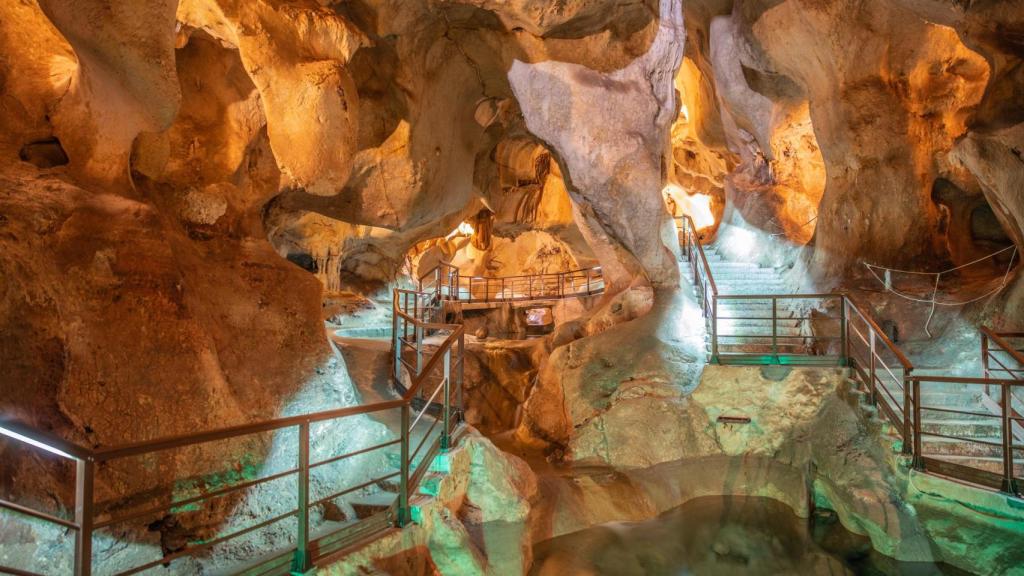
(419, 358)
(91, 516)
(733, 340)
(877, 365)
(447, 283)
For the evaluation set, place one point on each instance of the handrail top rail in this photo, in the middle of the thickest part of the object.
(700, 250)
(68, 448)
(967, 380)
(44, 439)
(440, 264)
(818, 296)
(180, 440)
(435, 358)
(443, 264)
(998, 338)
(907, 365)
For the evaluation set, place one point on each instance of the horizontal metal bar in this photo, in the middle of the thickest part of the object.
(998, 339)
(822, 296)
(37, 514)
(967, 412)
(17, 571)
(436, 357)
(412, 457)
(356, 453)
(192, 500)
(135, 449)
(873, 326)
(26, 434)
(962, 439)
(192, 549)
(970, 474)
(354, 488)
(780, 337)
(967, 380)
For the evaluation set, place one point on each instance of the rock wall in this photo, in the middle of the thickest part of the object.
(560, 102)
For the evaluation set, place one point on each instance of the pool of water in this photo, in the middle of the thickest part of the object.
(722, 535)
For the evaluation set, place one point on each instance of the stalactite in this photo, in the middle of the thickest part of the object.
(483, 223)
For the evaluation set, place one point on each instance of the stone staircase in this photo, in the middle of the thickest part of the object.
(972, 440)
(745, 326)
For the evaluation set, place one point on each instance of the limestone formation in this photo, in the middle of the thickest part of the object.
(205, 207)
(637, 104)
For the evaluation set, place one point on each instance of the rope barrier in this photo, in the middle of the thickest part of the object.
(800, 227)
(887, 283)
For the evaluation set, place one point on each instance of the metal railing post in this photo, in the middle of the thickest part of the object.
(419, 349)
(984, 362)
(909, 413)
(872, 393)
(446, 420)
(1009, 484)
(844, 332)
(403, 487)
(84, 476)
(775, 328)
(918, 460)
(396, 343)
(714, 330)
(301, 561)
(461, 371)
(686, 239)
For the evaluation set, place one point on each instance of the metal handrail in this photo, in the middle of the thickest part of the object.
(87, 518)
(879, 333)
(865, 353)
(447, 276)
(691, 229)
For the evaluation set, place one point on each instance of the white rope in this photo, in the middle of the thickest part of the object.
(996, 253)
(798, 227)
(934, 301)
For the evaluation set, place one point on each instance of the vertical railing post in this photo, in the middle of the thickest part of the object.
(461, 371)
(301, 561)
(588, 281)
(403, 487)
(419, 349)
(686, 238)
(714, 330)
(911, 415)
(844, 332)
(918, 462)
(445, 416)
(396, 343)
(84, 476)
(984, 362)
(1006, 413)
(872, 361)
(775, 331)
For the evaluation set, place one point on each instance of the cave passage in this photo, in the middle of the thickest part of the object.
(511, 287)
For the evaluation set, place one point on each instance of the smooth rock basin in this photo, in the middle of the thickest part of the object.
(722, 535)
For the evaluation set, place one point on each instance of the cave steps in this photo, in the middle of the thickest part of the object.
(745, 326)
(976, 439)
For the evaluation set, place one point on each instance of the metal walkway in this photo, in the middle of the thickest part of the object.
(970, 428)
